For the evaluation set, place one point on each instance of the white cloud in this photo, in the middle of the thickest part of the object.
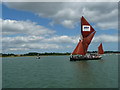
(30, 43)
(68, 14)
(43, 46)
(38, 42)
(11, 27)
(68, 23)
(62, 39)
(16, 49)
(106, 38)
(27, 35)
(109, 25)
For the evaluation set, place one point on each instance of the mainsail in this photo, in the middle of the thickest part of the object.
(88, 33)
(100, 49)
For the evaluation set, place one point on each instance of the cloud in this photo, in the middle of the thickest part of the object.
(13, 27)
(109, 25)
(68, 23)
(63, 39)
(43, 46)
(68, 14)
(27, 35)
(106, 38)
(37, 42)
(53, 43)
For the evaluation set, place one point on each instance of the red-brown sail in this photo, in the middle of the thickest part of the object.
(89, 38)
(100, 49)
(79, 50)
(87, 41)
(85, 46)
(86, 28)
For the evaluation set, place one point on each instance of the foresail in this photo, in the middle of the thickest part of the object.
(100, 49)
(86, 28)
(79, 50)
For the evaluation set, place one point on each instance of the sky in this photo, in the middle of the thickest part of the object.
(55, 26)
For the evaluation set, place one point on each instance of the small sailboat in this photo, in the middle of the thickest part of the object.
(38, 56)
(80, 52)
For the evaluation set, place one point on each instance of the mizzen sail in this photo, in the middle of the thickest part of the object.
(100, 49)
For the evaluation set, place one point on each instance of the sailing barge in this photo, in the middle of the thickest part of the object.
(80, 52)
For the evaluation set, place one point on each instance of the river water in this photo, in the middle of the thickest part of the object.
(59, 72)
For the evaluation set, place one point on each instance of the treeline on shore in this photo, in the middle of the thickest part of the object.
(34, 54)
(46, 53)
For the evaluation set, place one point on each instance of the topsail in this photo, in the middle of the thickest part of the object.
(86, 28)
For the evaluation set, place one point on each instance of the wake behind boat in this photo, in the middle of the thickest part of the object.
(80, 52)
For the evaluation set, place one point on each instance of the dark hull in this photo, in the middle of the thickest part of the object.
(81, 59)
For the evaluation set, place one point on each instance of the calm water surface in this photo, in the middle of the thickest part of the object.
(59, 72)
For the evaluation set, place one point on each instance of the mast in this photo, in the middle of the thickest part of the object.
(100, 49)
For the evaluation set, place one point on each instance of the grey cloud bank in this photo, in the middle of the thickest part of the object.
(68, 13)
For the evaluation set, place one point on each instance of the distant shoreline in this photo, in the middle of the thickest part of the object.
(34, 54)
